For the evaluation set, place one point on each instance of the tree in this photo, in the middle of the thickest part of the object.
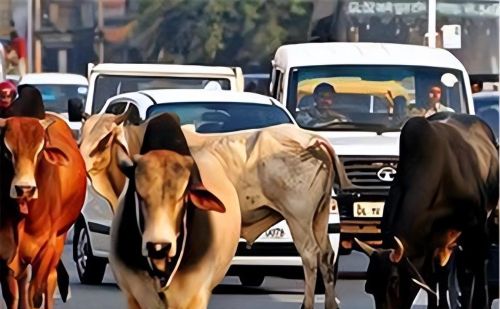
(222, 32)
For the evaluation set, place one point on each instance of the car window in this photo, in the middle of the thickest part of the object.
(119, 107)
(107, 86)
(487, 108)
(55, 97)
(216, 117)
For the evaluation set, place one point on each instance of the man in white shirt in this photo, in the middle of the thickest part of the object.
(435, 105)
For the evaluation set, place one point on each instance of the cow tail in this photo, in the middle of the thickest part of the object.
(62, 281)
(340, 176)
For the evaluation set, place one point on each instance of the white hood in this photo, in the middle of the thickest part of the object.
(363, 143)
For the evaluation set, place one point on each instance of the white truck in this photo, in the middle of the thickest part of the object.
(110, 79)
(377, 87)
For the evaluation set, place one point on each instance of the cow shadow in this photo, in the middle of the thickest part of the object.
(240, 289)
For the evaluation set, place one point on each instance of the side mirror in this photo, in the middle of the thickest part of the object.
(449, 80)
(75, 109)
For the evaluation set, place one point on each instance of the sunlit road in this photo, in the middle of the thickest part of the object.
(275, 293)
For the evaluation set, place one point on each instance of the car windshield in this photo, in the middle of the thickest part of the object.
(107, 86)
(371, 97)
(487, 108)
(55, 97)
(223, 117)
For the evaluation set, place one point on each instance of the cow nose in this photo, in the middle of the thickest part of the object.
(25, 191)
(158, 250)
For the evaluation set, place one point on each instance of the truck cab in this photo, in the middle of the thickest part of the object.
(373, 89)
(110, 79)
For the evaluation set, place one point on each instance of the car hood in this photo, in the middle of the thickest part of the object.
(363, 143)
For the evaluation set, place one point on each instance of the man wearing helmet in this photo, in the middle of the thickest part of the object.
(7, 94)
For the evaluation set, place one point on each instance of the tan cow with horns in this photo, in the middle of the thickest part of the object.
(280, 172)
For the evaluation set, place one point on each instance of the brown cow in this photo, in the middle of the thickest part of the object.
(42, 189)
(168, 251)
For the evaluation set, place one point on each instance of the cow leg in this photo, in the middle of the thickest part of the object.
(480, 289)
(200, 301)
(471, 271)
(41, 270)
(442, 280)
(50, 288)
(327, 255)
(23, 283)
(132, 303)
(307, 247)
(10, 288)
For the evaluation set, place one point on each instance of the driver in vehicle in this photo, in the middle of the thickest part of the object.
(434, 104)
(322, 109)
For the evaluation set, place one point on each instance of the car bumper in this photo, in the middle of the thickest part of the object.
(276, 248)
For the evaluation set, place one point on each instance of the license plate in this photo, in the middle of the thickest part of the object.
(368, 209)
(274, 233)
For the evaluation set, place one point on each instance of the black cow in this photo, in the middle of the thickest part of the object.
(445, 187)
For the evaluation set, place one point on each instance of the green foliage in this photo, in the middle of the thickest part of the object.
(224, 32)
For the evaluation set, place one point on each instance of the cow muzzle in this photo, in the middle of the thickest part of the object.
(158, 250)
(25, 192)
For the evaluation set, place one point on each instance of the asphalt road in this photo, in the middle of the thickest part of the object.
(275, 293)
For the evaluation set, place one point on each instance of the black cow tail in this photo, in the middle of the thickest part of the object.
(62, 281)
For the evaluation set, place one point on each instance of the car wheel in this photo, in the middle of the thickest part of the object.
(90, 268)
(251, 280)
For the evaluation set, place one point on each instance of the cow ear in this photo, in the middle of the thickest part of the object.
(120, 136)
(45, 123)
(450, 242)
(55, 156)
(204, 199)
(3, 122)
(102, 144)
(125, 164)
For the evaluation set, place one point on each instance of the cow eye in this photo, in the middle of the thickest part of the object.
(7, 154)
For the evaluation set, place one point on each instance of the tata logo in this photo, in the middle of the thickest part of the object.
(386, 173)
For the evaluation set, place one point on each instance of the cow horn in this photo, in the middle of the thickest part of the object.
(123, 116)
(397, 254)
(136, 157)
(3, 122)
(425, 287)
(366, 248)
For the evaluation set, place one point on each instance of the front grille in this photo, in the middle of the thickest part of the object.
(362, 171)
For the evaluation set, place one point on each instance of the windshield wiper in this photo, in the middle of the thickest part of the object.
(349, 124)
(379, 128)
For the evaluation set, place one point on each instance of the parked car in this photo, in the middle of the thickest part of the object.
(209, 112)
(486, 105)
(377, 88)
(57, 89)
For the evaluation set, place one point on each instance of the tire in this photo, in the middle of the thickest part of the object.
(251, 280)
(90, 268)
